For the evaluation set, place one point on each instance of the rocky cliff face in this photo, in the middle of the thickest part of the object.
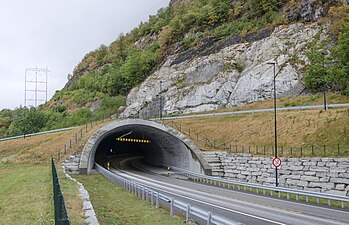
(235, 74)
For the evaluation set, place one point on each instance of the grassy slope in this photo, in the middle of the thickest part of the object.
(26, 182)
(26, 186)
(295, 128)
(121, 206)
(25, 194)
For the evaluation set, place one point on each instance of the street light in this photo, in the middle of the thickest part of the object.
(275, 130)
(323, 79)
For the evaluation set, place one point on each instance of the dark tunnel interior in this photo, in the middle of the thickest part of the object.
(155, 146)
(158, 147)
(128, 141)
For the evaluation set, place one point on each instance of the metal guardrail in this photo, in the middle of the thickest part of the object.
(259, 188)
(61, 214)
(252, 111)
(35, 134)
(176, 206)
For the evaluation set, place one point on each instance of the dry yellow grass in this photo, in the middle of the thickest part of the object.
(40, 149)
(295, 128)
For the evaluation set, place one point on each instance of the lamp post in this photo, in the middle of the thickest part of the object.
(323, 79)
(275, 125)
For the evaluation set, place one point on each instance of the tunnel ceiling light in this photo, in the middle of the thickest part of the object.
(133, 140)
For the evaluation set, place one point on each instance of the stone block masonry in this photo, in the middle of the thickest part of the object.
(329, 175)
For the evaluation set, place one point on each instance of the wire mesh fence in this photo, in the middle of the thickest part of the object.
(75, 138)
(283, 151)
(60, 209)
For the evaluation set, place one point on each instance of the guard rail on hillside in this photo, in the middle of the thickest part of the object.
(35, 134)
(252, 111)
(176, 206)
(61, 214)
(261, 188)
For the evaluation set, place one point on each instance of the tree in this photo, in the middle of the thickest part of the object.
(27, 120)
(340, 73)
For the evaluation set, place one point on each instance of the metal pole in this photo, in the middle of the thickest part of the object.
(275, 130)
(323, 79)
(275, 125)
(160, 95)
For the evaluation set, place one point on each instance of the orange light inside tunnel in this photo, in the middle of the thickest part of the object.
(133, 140)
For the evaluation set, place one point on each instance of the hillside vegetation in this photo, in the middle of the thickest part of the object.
(104, 77)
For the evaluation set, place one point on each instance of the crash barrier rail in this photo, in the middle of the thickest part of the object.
(253, 111)
(35, 134)
(60, 209)
(110, 117)
(175, 206)
(261, 189)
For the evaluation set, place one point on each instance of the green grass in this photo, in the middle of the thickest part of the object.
(26, 195)
(114, 205)
(72, 198)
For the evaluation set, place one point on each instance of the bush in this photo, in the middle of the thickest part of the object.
(335, 68)
(27, 120)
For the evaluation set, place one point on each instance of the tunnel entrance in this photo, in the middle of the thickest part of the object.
(158, 144)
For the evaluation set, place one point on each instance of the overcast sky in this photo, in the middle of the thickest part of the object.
(57, 34)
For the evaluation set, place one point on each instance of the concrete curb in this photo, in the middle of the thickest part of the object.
(89, 212)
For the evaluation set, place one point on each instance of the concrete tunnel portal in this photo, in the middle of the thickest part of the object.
(158, 144)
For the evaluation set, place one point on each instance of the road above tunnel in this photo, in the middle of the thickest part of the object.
(243, 207)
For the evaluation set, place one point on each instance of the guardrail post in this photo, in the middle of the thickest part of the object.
(187, 215)
(152, 198)
(171, 207)
(147, 195)
(157, 200)
(143, 194)
(209, 218)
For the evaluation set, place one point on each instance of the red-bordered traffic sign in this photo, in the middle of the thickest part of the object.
(276, 162)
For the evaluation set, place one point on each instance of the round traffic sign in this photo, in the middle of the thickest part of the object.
(276, 162)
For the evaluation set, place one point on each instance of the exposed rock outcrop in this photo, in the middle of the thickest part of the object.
(237, 74)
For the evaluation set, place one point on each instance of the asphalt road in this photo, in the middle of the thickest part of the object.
(240, 206)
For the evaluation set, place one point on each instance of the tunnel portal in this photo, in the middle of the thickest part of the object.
(158, 144)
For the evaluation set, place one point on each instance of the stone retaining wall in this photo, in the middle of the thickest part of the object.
(330, 175)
